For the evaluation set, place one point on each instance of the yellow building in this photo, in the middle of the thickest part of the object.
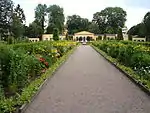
(47, 37)
(84, 36)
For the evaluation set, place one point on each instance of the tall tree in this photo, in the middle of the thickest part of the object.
(75, 24)
(147, 25)
(40, 15)
(18, 21)
(6, 12)
(55, 18)
(111, 18)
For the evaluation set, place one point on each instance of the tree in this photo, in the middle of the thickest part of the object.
(40, 15)
(138, 30)
(104, 38)
(94, 28)
(55, 34)
(75, 24)
(133, 30)
(49, 29)
(119, 35)
(17, 28)
(130, 37)
(110, 19)
(6, 12)
(147, 25)
(18, 21)
(55, 18)
(34, 30)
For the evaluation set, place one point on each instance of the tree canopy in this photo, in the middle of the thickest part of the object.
(40, 15)
(75, 24)
(56, 18)
(110, 19)
(6, 11)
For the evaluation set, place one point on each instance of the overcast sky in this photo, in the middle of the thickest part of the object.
(136, 9)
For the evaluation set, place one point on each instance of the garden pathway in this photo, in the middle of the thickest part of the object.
(87, 83)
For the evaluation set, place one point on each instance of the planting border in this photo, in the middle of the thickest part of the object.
(119, 67)
(50, 72)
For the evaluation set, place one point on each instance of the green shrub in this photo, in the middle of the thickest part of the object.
(56, 34)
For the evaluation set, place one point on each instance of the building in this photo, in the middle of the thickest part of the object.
(138, 39)
(34, 39)
(88, 36)
(84, 36)
(47, 37)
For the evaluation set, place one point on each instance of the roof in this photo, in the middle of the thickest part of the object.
(84, 33)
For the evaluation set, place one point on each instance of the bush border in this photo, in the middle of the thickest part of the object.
(130, 74)
(49, 74)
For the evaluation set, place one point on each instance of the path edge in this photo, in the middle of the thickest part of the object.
(61, 62)
(137, 83)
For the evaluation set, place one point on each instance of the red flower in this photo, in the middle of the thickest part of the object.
(42, 60)
(46, 64)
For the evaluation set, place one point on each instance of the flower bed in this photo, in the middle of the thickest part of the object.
(23, 68)
(134, 58)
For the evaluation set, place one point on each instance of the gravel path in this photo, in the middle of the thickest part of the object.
(87, 83)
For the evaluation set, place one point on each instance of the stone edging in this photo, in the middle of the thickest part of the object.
(140, 85)
(23, 108)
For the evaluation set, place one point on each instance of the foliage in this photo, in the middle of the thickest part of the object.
(110, 19)
(34, 30)
(56, 34)
(138, 30)
(130, 37)
(99, 38)
(56, 18)
(146, 22)
(94, 28)
(40, 14)
(6, 11)
(18, 20)
(104, 38)
(75, 24)
(120, 35)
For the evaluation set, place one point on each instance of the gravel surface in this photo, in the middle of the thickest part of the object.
(87, 83)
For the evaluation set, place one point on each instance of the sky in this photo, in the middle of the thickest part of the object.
(136, 9)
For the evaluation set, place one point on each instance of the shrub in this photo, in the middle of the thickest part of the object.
(55, 34)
